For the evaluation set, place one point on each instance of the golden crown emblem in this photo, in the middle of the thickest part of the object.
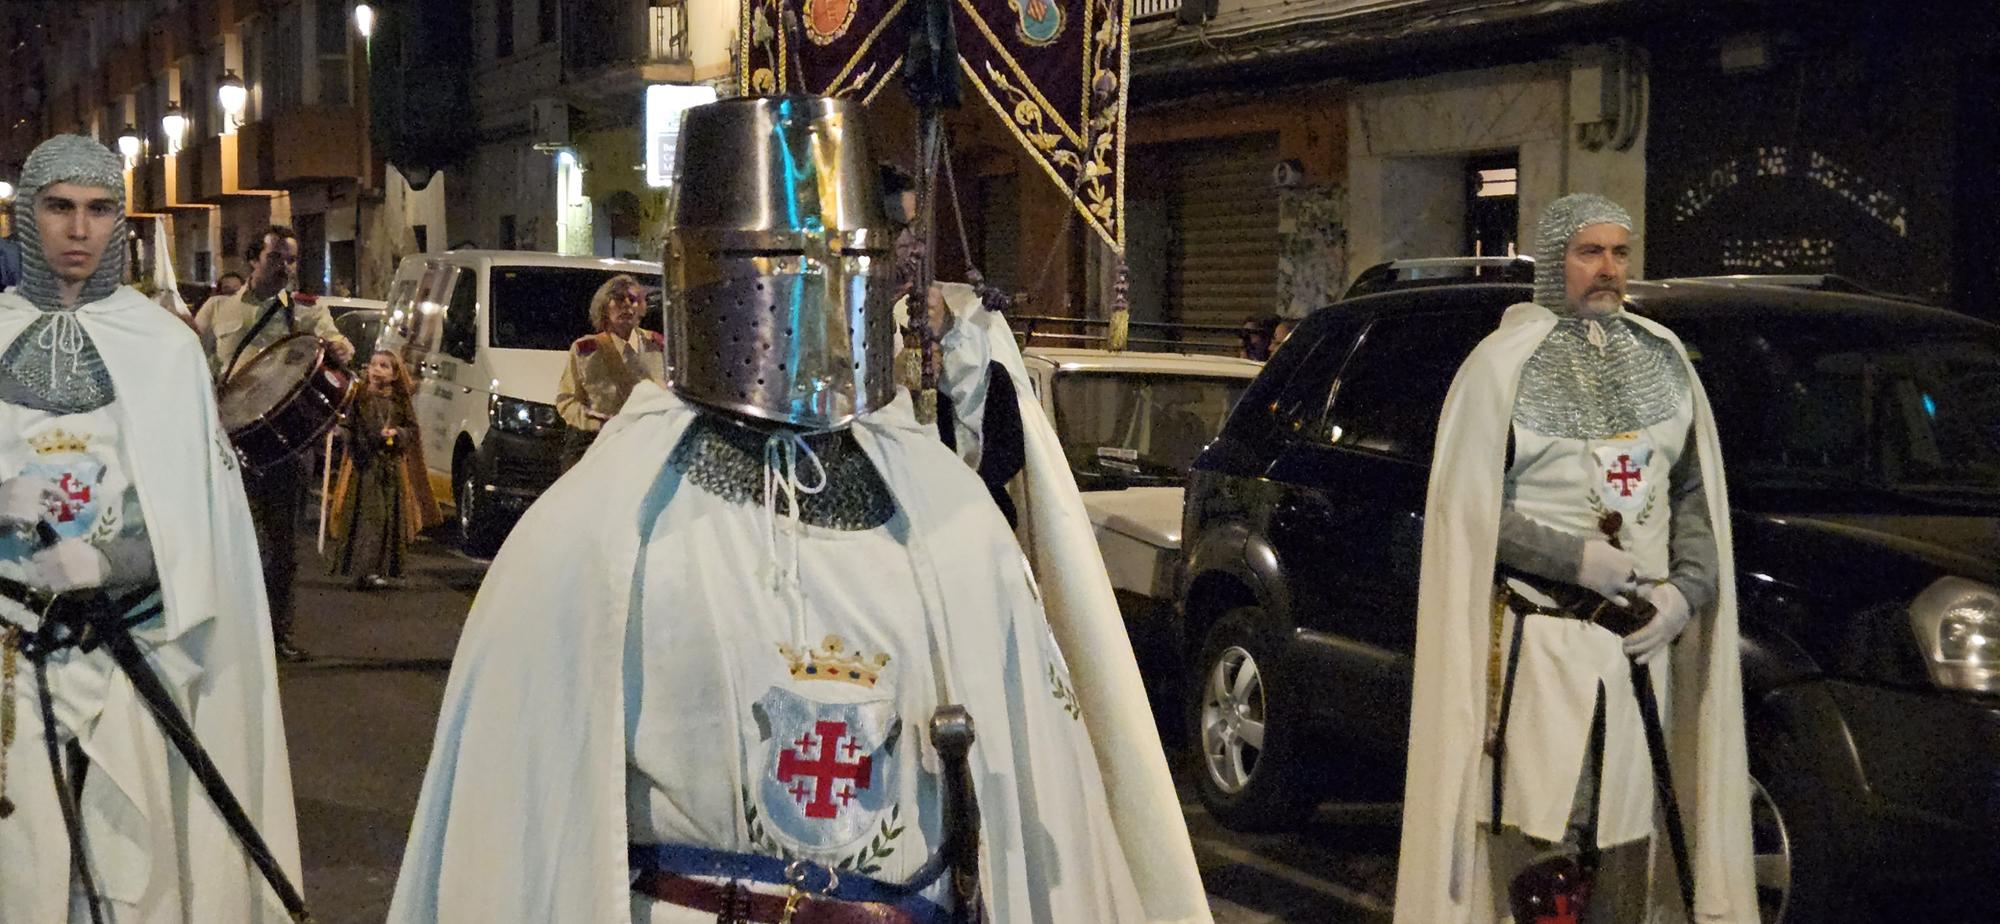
(831, 661)
(57, 442)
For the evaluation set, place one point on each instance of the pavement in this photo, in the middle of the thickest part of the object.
(359, 718)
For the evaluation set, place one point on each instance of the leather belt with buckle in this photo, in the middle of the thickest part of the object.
(735, 903)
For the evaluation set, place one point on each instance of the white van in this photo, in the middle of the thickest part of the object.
(487, 332)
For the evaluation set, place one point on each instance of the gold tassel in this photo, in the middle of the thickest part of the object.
(10, 653)
(1121, 314)
(1494, 677)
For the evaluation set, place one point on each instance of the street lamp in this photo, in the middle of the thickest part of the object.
(364, 20)
(229, 93)
(174, 124)
(128, 145)
(6, 190)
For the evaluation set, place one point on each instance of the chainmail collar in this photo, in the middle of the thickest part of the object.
(727, 460)
(1594, 378)
(53, 366)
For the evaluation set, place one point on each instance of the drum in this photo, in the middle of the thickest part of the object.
(281, 401)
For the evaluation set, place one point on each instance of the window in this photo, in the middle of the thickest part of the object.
(330, 41)
(423, 235)
(461, 318)
(1894, 404)
(509, 238)
(548, 307)
(503, 28)
(1492, 205)
(1388, 397)
(545, 19)
(1134, 428)
(1311, 357)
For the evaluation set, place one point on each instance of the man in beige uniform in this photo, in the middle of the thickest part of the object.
(604, 366)
(233, 329)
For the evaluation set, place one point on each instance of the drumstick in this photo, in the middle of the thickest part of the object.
(325, 478)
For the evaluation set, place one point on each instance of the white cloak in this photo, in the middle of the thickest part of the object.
(160, 851)
(1056, 532)
(1442, 876)
(523, 813)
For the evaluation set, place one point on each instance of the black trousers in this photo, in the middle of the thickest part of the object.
(276, 496)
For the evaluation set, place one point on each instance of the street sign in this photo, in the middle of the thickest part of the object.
(664, 104)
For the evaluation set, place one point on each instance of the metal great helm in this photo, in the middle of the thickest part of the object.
(781, 258)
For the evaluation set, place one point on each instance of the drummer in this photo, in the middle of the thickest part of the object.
(226, 321)
(233, 328)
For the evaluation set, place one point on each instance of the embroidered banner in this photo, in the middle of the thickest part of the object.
(1053, 71)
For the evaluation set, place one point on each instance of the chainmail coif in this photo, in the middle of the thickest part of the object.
(53, 366)
(1560, 221)
(1592, 378)
(727, 460)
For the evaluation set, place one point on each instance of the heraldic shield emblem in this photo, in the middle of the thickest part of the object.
(828, 770)
(1624, 471)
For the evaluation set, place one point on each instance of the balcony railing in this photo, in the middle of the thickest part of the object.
(1154, 9)
(601, 34)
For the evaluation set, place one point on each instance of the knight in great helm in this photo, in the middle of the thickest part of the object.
(700, 680)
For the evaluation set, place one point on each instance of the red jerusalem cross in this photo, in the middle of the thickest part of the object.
(1624, 475)
(823, 767)
(76, 496)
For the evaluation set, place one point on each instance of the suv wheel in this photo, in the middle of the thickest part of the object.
(1802, 870)
(1771, 850)
(479, 532)
(1247, 774)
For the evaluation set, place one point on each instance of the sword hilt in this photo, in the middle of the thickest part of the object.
(952, 734)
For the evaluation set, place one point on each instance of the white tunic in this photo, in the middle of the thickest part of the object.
(735, 745)
(1569, 484)
(159, 851)
(630, 687)
(85, 456)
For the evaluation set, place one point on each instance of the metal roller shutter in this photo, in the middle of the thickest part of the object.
(1223, 262)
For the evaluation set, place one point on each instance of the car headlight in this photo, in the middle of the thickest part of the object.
(526, 417)
(1957, 622)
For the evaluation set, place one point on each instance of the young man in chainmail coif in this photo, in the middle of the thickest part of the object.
(128, 592)
(703, 679)
(1576, 745)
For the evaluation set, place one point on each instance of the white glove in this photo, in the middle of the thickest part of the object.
(1612, 572)
(25, 500)
(67, 565)
(1646, 645)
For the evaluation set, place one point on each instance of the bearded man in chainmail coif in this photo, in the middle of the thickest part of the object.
(1576, 743)
(128, 589)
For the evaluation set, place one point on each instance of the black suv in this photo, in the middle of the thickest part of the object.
(1861, 438)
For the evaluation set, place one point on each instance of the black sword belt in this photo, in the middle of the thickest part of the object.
(1580, 604)
(92, 619)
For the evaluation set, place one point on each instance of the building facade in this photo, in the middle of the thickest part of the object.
(234, 115)
(559, 92)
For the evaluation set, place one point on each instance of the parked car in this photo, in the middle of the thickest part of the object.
(360, 321)
(1861, 438)
(488, 332)
(1423, 272)
(1131, 425)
